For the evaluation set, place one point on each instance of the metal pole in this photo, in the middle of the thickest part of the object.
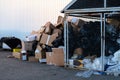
(102, 39)
(101, 16)
(65, 48)
(67, 41)
(105, 3)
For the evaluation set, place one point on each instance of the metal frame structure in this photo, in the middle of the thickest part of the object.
(90, 13)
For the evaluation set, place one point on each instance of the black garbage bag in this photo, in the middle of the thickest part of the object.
(72, 40)
(89, 38)
(48, 48)
(111, 47)
(59, 41)
(12, 42)
(111, 32)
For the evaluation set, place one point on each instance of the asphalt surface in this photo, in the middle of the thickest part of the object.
(14, 69)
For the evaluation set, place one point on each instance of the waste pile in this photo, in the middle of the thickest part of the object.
(85, 45)
(45, 45)
(87, 36)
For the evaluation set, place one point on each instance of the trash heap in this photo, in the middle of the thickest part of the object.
(85, 44)
(87, 37)
(45, 45)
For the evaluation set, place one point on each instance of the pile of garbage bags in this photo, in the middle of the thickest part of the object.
(87, 35)
(111, 63)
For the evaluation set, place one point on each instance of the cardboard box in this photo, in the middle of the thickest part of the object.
(57, 31)
(60, 19)
(48, 39)
(28, 45)
(38, 55)
(58, 56)
(114, 22)
(78, 51)
(38, 37)
(49, 58)
(32, 59)
(49, 27)
(44, 39)
(17, 55)
(39, 48)
(59, 26)
(52, 38)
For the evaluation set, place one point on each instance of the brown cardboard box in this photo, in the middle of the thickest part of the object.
(39, 47)
(49, 58)
(38, 55)
(38, 37)
(59, 26)
(60, 19)
(49, 27)
(48, 39)
(28, 45)
(58, 56)
(114, 22)
(32, 59)
(44, 39)
(52, 38)
(17, 55)
(57, 31)
(78, 51)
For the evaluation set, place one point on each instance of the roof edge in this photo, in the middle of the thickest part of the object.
(66, 7)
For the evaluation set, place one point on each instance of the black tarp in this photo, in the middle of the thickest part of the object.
(12, 42)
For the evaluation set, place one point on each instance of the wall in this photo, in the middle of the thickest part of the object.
(19, 17)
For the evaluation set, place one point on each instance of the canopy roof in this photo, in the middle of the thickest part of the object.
(82, 6)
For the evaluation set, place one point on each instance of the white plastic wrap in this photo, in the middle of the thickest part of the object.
(95, 65)
(116, 57)
(85, 74)
(87, 63)
(31, 37)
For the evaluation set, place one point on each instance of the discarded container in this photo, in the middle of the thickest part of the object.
(71, 65)
(24, 55)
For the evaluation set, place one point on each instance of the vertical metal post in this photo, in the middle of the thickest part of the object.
(105, 4)
(102, 17)
(65, 43)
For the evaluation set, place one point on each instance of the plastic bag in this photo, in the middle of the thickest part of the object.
(116, 57)
(85, 74)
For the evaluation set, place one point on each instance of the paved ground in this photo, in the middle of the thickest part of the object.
(14, 69)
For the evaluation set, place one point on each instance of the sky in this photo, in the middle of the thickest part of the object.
(19, 17)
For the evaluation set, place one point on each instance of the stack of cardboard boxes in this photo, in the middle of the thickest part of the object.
(48, 34)
(44, 37)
